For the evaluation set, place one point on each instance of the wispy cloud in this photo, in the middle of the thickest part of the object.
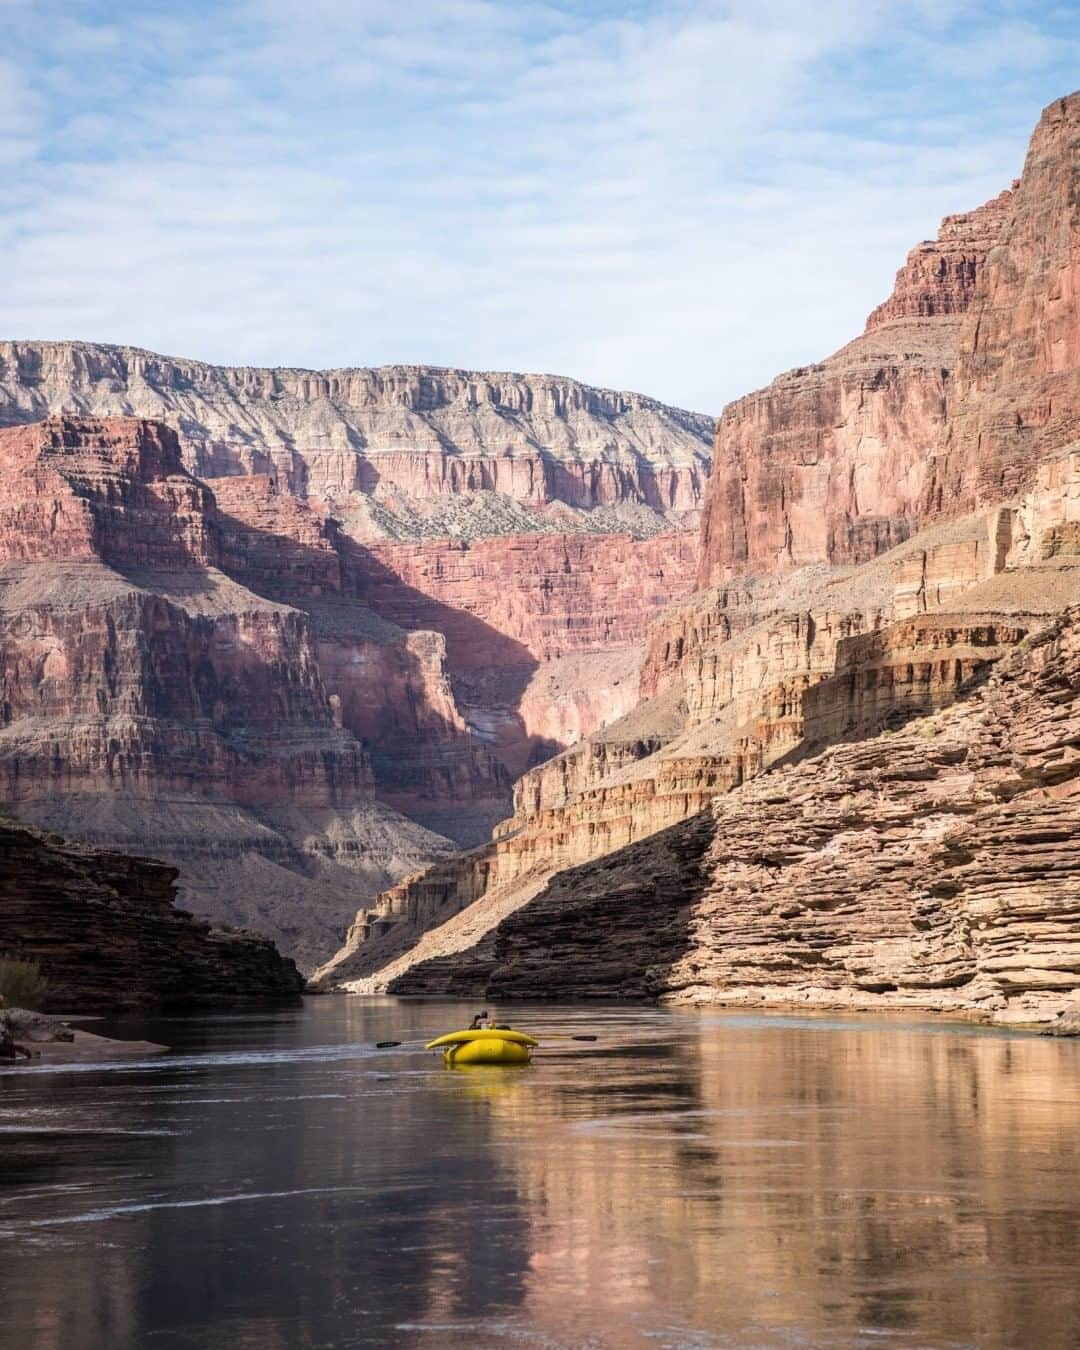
(680, 196)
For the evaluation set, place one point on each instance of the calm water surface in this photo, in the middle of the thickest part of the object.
(690, 1180)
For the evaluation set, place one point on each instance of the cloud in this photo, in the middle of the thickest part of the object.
(681, 197)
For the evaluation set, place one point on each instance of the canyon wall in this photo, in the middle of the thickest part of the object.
(830, 462)
(821, 661)
(399, 451)
(1018, 377)
(931, 869)
(544, 633)
(214, 673)
(108, 937)
(152, 702)
(838, 601)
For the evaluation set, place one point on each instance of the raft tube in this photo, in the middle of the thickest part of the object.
(491, 1046)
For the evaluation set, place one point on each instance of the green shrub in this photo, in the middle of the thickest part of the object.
(21, 983)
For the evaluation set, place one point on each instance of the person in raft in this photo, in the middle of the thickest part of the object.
(480, 1022)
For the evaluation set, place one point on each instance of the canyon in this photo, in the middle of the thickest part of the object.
(399, 451)
(848, 776)
(543, 690)
(216, 672)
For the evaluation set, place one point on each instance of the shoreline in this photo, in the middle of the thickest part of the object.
(1065, 1024)
(53, 1040)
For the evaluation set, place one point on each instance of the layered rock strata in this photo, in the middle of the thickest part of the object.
(809, 629)
(150, 701)
(843, 667)
(544, 633)
(191, 669)
(399, 451)
(1018, 377)
(940, 275)
(107, 934)
(934, 869)
(830, 462)
(506, 649)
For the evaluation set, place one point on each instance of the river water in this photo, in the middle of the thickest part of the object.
(691, 1179)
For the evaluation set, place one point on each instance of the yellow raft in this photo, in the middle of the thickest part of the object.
(495, 1045)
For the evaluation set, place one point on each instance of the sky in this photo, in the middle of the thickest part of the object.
(681, 197)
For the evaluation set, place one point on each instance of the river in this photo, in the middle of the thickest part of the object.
(690, 1179)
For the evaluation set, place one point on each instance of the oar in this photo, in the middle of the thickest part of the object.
(389, 1045)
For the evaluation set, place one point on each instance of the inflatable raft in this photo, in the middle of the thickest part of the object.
(495, 1045)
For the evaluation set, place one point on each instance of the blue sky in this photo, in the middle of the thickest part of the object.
(683, 197)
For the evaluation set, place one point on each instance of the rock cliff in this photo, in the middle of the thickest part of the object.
(214, 673)
(1018, 377)
(940, 275)
(838, 600)
(400, 451)
(152, 702)
(109, 938)
(930, 869)
(544, 633)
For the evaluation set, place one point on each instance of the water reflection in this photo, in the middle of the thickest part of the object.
(689, 1180)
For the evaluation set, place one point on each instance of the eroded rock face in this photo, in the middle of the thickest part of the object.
(227, 650)
(940, 275)
(964, 381)
(387, 448)
(932, 869)
(851, 660)
(543, 632)
(838, 600)
(830, 462)
(1018, 377)
(151, 701)
(106, 932)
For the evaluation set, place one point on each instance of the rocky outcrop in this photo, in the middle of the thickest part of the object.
(830, 463)
(151, 701)
(843, 666)
(192, 670)
(392, 450)
(543, 632)
(492, 654)
(934, 869)
(964, 381)
(108, 937)
(940, 275)
(1018, 376)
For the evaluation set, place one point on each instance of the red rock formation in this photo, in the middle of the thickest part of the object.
(135, 672)
(1018, 378)
(113, 489)
(829, 463)
(932, 870)
(551, 594)
(807, 637)
(940, 275)
(542, 631)
(159, 645)
(541, 638)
